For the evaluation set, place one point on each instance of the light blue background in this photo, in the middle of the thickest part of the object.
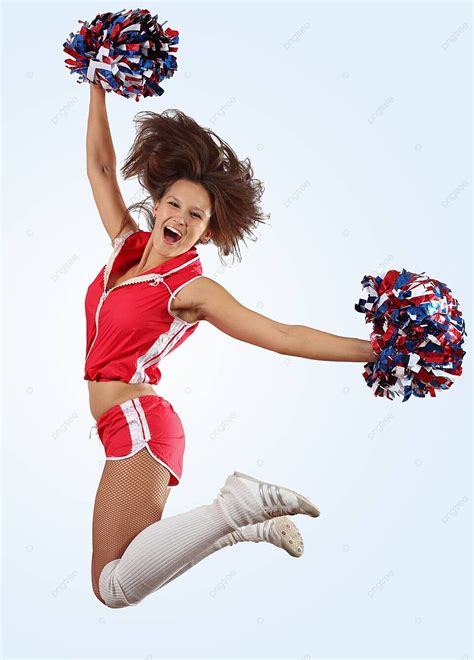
(357, 118)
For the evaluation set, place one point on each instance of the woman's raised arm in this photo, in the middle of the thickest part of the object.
(101, 168)
(213, 303)
(100, 150)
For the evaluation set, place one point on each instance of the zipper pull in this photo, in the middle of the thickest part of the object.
(157, 280)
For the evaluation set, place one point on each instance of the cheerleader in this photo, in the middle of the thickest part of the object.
(148, 299)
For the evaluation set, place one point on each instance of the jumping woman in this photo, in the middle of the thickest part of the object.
(147, 300)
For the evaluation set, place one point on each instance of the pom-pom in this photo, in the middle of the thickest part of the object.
(127, 52)
(418, 331)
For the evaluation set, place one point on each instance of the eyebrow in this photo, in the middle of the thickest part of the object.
(194, 207)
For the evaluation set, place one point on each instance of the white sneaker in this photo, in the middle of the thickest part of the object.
(276, 500)
(285, 534)
(281, 532)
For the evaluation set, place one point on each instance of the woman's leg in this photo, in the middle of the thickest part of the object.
(131, 495)
(129, 564)
(124, 507)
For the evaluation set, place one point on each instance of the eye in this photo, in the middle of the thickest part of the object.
(174, 204)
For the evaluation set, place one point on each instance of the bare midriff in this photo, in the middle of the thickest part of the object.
(105, 394)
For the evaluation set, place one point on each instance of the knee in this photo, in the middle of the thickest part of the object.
(114, 604)
(107, 588)
(95, 584)
(97, 594)
(98, 570)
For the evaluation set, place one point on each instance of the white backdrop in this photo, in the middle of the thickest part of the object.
(357, 117)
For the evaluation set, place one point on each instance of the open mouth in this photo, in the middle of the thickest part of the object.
(171, 235)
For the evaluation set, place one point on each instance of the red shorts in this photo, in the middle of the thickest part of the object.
(146, 421)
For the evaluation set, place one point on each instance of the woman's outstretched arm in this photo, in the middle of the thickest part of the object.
(213, 303)
(303, 341)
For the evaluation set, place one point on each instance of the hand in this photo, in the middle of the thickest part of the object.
(372, 356)
(97, 89)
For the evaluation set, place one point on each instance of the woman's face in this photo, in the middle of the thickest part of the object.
(186, 208)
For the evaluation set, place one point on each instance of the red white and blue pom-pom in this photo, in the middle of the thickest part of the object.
(127, 52)
(418, 331)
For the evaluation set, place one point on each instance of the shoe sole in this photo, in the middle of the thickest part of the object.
(308, 507)
(290, 536)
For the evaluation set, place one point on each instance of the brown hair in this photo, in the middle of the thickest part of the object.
(170, 146)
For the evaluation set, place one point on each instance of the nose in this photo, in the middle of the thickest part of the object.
(179, 222)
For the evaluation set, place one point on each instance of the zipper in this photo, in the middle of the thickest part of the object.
(118, 245)
(135, 280)
(157, 277)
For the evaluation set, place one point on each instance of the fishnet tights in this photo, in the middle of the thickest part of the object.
(131, 495)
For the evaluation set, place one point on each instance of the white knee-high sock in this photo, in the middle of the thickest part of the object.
(244, 534)
(163, 548)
